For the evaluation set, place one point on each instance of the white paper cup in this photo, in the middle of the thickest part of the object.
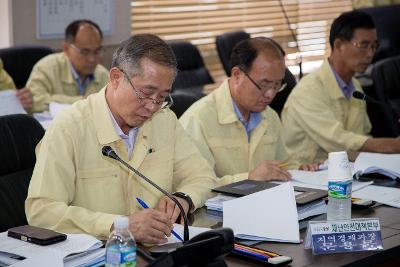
(338, 166)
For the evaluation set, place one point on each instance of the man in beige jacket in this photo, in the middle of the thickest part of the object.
(320, 115)
(72, 74)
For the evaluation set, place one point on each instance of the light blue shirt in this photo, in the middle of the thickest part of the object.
(347, 89)
(129, 139)
(254, 120)
(81, 84)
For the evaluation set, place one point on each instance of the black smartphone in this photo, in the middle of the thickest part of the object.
(36, 235)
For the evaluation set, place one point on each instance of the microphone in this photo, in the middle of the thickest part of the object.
(109, 152)
(294, 38)
(362, 96)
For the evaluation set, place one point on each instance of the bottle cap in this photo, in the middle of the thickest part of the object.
(121, 223)
(339, 167)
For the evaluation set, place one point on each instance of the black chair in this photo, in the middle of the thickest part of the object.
(182, 101)
(19, 61)
(386, 89)
(191, 69)
(19, 137)
(225, 44)
(386, 18)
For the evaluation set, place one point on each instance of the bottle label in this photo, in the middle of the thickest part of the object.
(339, 189)
(122, 257)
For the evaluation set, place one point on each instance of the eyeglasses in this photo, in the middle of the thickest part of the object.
(365, 46)
(87, 52)
(160, 101)
(274, 86)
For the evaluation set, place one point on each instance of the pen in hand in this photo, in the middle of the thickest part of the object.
(144, 205)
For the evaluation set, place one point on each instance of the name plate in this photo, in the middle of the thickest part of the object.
(326, 237)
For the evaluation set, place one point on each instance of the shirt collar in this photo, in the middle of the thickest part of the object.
(254, 119)
(347, 89)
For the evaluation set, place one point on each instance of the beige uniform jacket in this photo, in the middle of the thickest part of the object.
(317, 118)
(222, 139)
(6, 81)
(75, 189)
(51, 80)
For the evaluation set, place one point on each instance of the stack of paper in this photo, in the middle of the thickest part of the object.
(386, 164)
(10, 104)
(303, 211)
(382, 194)
(86, 249)
(259, 216)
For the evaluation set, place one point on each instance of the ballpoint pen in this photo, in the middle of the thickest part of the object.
(144, 205)
(283, 165)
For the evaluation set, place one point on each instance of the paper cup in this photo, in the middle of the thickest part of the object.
(338, 166)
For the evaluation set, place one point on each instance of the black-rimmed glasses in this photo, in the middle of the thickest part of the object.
(160, 101)
(275, 86)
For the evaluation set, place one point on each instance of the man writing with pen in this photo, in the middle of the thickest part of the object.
(234, 128)
(75, 189)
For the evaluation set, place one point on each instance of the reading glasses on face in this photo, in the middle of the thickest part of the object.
(87, 52)
(274, 86)
(365, 46)
(160, 102)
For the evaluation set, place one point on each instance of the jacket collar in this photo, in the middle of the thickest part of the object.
(225, 112)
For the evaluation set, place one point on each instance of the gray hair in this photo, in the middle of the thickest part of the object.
(129, 54)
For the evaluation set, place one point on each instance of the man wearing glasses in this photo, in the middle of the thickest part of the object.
(72, 74)
(320, 115)
(75, 189)
(233, 127)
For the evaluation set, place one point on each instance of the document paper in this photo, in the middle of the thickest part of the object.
(268, 215)
(382, 194)
(9, 103)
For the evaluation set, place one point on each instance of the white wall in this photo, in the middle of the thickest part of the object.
(5, 23)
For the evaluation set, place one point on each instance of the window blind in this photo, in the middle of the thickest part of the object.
(200, 21)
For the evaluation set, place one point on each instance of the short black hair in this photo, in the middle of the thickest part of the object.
(343, 27)
(73, 27)
(245, 52)
(130, 52)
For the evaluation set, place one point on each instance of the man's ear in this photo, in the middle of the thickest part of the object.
(115, 76)
(235, 73)
(337, 44)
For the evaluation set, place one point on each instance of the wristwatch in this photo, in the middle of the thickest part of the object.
(185, 197)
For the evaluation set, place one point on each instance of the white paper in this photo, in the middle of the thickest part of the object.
(9, 103)
(193, 231)
(55, 108)
(51, 255)
(260, 216)
(382, 194)
(307, 177)
(386, 164)
(357, 185)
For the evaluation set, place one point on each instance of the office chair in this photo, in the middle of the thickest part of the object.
(385, 18)
(19, 61)
(385, 89)
(191, 69)
(182, 101)
(225, 44)
(19, 136)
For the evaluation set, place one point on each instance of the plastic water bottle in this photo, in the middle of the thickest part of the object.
(339, 187)
(121, 246)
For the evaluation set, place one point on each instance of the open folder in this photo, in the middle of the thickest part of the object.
(268, 215)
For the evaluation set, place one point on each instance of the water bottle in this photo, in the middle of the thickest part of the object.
(339, 187)
(121, 246)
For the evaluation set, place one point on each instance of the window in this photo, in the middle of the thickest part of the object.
(200, 21)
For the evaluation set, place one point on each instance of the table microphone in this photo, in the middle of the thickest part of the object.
(109, 152)
(362, 96)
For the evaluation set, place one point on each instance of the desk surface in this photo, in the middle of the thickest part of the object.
(390, 224)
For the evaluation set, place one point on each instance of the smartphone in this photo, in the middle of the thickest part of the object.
(36, 235)
(260, 255)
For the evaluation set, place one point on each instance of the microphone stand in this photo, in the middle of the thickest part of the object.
(109, 152)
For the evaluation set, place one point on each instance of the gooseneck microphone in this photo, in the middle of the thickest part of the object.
(362, 96)
(109, 152)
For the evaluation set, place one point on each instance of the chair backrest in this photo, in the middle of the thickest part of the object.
(225, 44)
(182, 101)
(19, 137)
(386, 89)
(281, 97)
(191, 69)
(19, 61)
(386, 18)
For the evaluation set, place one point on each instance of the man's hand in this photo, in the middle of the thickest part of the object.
(25, 97)
(310, 167)
(169, 207)
(269, 170)
(150, 226)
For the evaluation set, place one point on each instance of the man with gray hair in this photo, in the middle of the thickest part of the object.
(75, 189)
